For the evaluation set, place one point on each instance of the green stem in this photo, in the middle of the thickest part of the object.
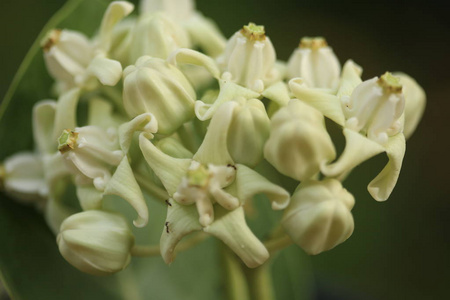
(153, 250)
(260, 282)
(236, 283)
(277, 244)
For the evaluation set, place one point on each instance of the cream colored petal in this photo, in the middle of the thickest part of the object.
(124, 185)
(228, 92)
(381, 187)
(278, 93)
(43, 123)
(145, 122)
(169, 170)
(189, 56)
(358, 149)
(350, 78)
(214, 148)
(250, 183)
(328, 104)
(66, 112)
(204, 33)
(89, 197)
(107, 71)
(115, 12)
(232, 229)
(181, 220)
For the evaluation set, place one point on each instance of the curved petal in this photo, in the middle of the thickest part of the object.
(43, 123)
(232, 229)
(381, 187)
(278, 93)
(124, 185)
(145, 122)
(66, 112)
(328, 104)
(350, 78)
(214, 148)
(250, 183)
(115, 12)
(181, 220)
(358, 149)
(228, 92)
(170, 170)
(189, 56)
(107, 71)
(205, 33)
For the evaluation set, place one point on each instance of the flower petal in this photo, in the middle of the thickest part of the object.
(89, 197)
(228, 92)
(381, 187)
(278, 93)
(43, 123)
(181, 220)
(250, 183)
(232, 229)
(124, 185)
(189, 56)
(358, 149)
(115, 12)
(66, 111)
(328, 104)
(145, 122)
(107, 71)
(170, 170)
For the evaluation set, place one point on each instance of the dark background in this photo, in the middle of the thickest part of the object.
(400, 248)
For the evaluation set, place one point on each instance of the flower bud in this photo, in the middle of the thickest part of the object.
(299, 142)
(249, 58)
(157, 35)
(375, 107)
(157, 87)
(415, 100)
(319, 215)
(96, 242)
(315, 62)
(67, 55)
(179, 10)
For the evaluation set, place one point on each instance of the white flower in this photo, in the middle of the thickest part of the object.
(375, 107)
(315, 62)
(319, 215)
(249, 58)
(96, 242)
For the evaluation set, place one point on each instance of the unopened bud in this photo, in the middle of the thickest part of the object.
(299, 142)
(96, 242)
(157, 87)
(319, 216)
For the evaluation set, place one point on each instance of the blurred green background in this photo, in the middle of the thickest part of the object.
(400, 248)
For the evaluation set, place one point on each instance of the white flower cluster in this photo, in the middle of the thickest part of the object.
(177, 112)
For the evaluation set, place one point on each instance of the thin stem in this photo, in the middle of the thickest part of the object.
(260, 282)
(236, 282)
(154, 250)
(276, 244)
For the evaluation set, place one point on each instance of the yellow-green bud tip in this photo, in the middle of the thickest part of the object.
(198, 177)
(254, 32)
(313, 43)
(67, 141)
(50, 39)
(390, 83)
